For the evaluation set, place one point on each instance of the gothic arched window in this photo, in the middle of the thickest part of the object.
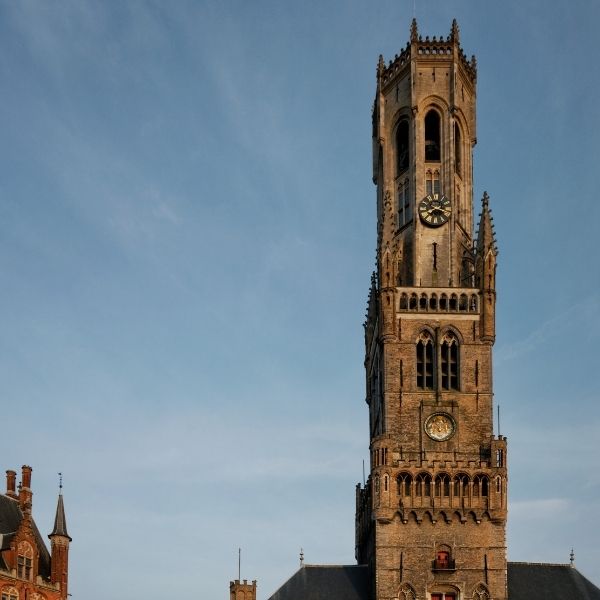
(442, 486)
(432, 136)
(457, 150)
(461, 486)
(425, 364)
(480, 486)
(407, 592)
(404, 483)
(423, 485)
(402, 147)
(404, 208)
(449, 356)
(481, 593)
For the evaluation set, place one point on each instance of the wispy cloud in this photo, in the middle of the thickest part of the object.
(568, 319)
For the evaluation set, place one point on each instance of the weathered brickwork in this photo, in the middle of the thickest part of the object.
(432, 517)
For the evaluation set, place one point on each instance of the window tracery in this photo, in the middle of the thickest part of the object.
(425, 364)
(481, 593)
(407, 592)
(449, 357)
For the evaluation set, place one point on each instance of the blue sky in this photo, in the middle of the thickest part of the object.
(186, 240)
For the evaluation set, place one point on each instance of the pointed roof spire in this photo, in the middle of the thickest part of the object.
(486, 237)
(414, 31)
(60, 521)
(455, 32)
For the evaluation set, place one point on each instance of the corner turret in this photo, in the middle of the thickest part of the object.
(60, 540)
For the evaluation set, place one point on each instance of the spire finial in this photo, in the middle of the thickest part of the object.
(485, 201)
(301, 557)
(414, 31)
(60, 483)
(455, 32)
(572, 558)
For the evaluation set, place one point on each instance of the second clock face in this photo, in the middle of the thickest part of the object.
(434, 210)
(440, 427)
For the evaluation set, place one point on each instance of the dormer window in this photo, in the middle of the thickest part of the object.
(25, 561)
(432, 136)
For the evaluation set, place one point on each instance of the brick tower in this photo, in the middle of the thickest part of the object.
(430, 522)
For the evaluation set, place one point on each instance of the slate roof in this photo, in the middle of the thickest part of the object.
(535, 581)
(326, 582)
(60, 522)
(10, 519)
(526, 581)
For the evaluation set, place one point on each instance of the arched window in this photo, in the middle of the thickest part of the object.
(10, 593)
(432, 136)
(407, 592)
(425, 365)
(480, 486)
(423, 485)
(433, 302)
(442, 486)
(402, 148)
(404, 481)
(449, 356)
(443, 302)
(461, 486)
(432, 182)
(457, 150)
(481, 593)
(24, 561)
(404, 207)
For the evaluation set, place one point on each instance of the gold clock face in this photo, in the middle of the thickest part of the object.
(435, 210)
(440, 427)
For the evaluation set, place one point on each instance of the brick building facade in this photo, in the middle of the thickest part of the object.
(27, 570)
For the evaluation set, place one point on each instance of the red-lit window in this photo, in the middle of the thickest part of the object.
(451, 596)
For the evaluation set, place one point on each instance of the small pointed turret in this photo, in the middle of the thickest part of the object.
(485, 270)
(414, 31)
(455, 32)
(60, 540)
(60, 522)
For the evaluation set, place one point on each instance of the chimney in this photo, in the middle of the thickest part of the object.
(25, 493)
(11, 482)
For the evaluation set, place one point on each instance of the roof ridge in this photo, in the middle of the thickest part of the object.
(545, 564)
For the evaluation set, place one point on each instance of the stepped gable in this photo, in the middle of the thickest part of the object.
(539, 581)
(326, 582)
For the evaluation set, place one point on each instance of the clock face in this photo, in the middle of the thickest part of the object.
(434, 210)
(440, 427)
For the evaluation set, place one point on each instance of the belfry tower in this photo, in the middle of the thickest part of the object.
(430, 521)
